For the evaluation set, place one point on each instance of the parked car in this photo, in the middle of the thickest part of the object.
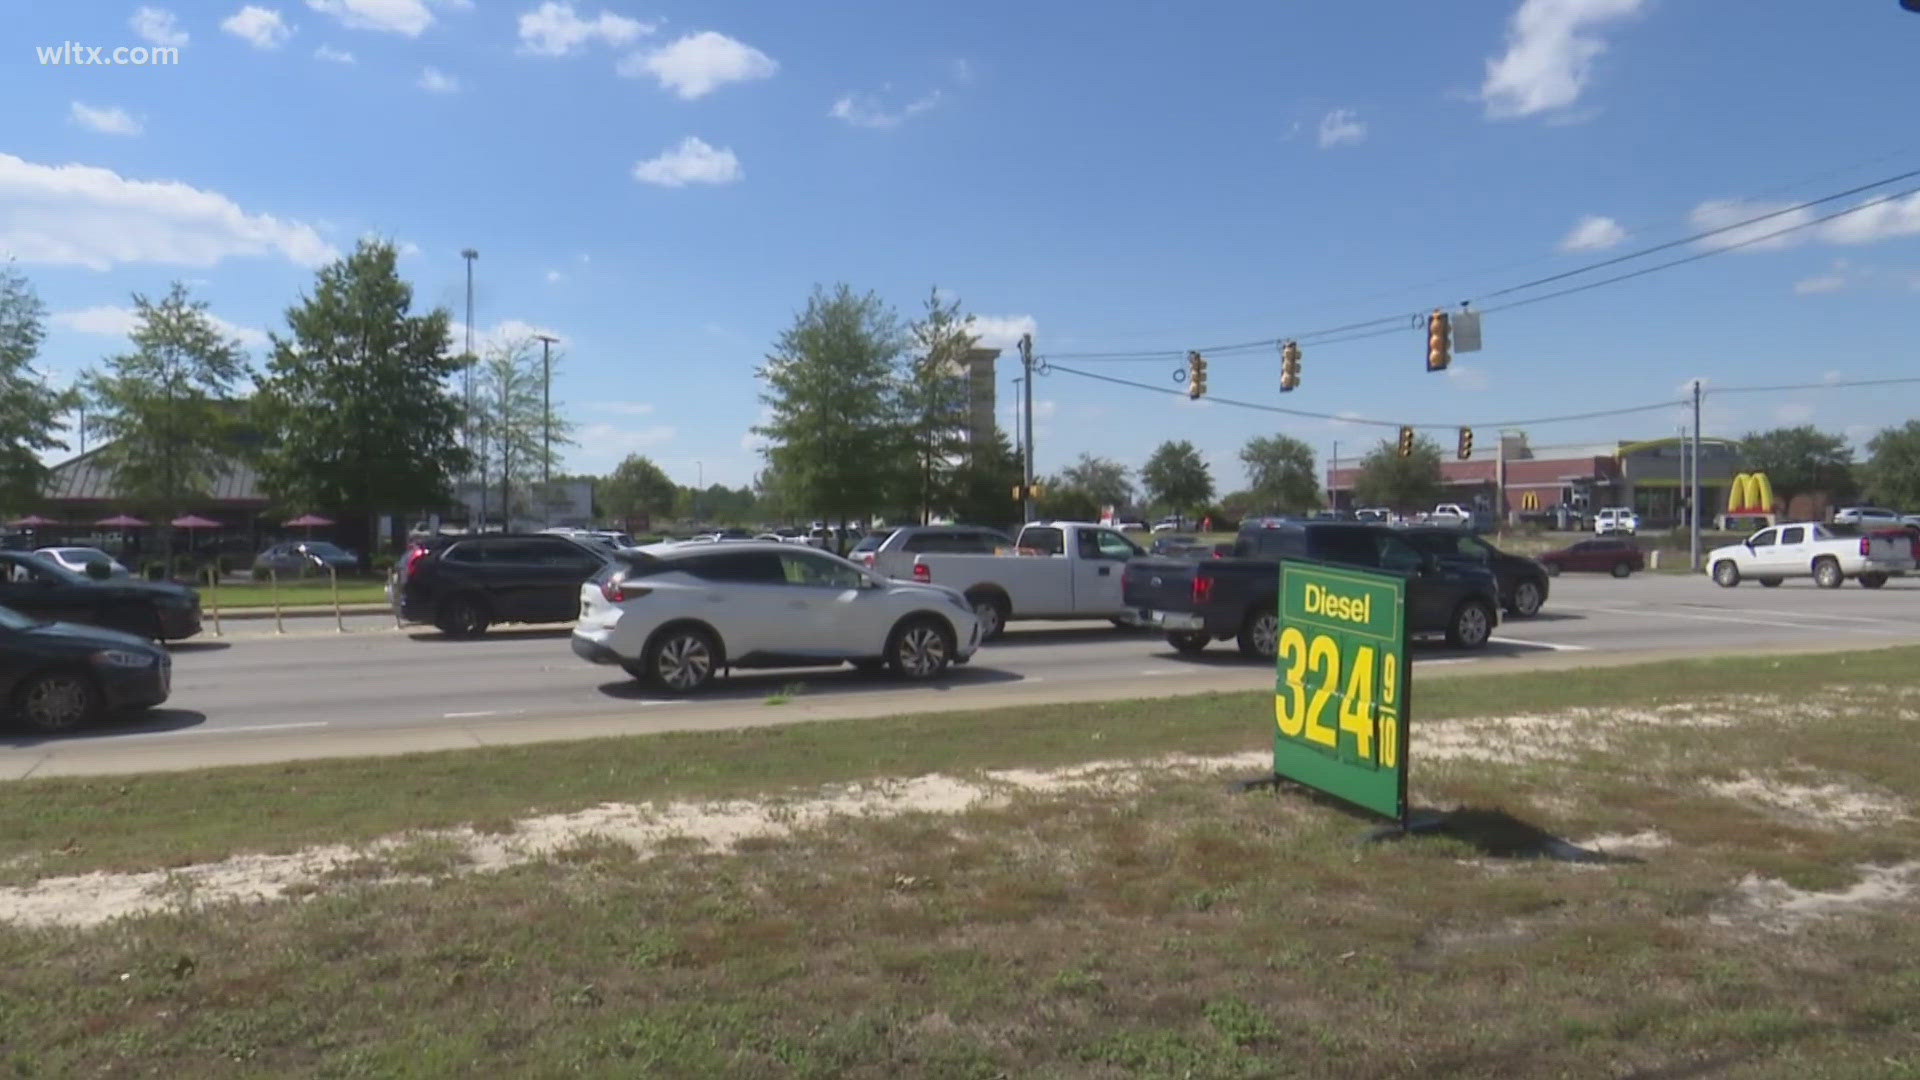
(674, 617)
(77, 558)
(1616, 519)
(300, 557)
(1830, 554)
(1197, 602)
(1522, 581)
(892, 551)
(1865, 515)
(1064, 570)
(1379, 514)
(1450, 513)
(1606, 555)
(56, 677)
(1166, 542)
(43, 589)
(464, 584)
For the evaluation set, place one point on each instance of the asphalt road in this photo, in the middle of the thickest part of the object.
(376, 688)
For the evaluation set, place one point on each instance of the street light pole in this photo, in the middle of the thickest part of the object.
(1026, 366)
(699, 485)
(546, 424)
(469, 255)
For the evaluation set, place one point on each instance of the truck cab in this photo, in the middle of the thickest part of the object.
(1059, 570)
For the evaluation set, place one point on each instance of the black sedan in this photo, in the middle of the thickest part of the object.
(161, 610)
(56, 677)
(1523, 582)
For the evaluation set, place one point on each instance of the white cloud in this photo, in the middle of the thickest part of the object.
(156, 26)
(1593, 233)
(962, 71)
(1341, 128)
(1001, 331)
(408, 250)
(611, 442)
(109, 121)
(1722, 213)
(867, 110)
(1686, 388)
(82, 215)
(692, 162)
(1793, 412)
(107, 320)
(699, 64)
(1825, 283)
(554, 29)
(1468, 376)
(263, 28)
(1870, 222)
(409, 17)
(1881, 221)
(1551, 48)
(333, 55)
(508, 331)
(624, 408)
(435, 81)
(555, 277)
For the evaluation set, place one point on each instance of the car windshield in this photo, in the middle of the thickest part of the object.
(322, 548)
(871, 541)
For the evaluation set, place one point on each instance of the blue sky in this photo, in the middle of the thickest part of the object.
(662, 185)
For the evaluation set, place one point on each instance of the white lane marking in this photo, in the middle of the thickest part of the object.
(1424, 662)
(1798, 614)
(1554, 645)
(469, 715)
(1891, 627)
(1168, 671)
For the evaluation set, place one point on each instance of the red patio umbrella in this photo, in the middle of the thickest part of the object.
(194, 521)
(121, 521)
(32, 521)
(309, 521)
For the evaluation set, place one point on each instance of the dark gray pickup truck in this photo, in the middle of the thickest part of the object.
(1197, 602)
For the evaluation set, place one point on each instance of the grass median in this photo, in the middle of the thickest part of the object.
(1104, 921)
(304, 592)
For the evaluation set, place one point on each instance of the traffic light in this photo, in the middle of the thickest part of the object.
(1466, 443)
(1196, 375)
(1289, 366)
(1439, 341)
(1406, 442)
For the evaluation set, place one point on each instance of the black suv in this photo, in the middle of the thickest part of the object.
(1196, 602)
(464, 584)
(1523, 582)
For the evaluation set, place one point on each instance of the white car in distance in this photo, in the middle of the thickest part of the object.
(675, 615)
(1616, 519)
(77, 558)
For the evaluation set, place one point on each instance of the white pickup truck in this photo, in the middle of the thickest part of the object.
(1063, 570)
(1830, 554)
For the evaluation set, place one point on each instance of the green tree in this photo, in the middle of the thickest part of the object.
(1893, 466)
(1402, 484)
(1061, 499)
(1281, 474)
(1800, 460)
(163, 409)
(983, 484)
(934, 399)
(636, 487)
(835, 430)
(1103, 481)
(30, 410)
(355, 400)
(1177, 477)
(522, 429)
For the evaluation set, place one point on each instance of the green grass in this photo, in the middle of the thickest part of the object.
(305, 592)
(1172, 929)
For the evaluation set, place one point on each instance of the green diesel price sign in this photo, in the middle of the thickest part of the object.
(1340, 698)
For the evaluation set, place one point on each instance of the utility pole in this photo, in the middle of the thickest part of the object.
(1026, 367)
(1693, 544)
(1333, 470)
(469, 255)
(546, 427)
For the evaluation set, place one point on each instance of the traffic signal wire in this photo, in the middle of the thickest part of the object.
(1392, 323)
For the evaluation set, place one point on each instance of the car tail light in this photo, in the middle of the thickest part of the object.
(1866, 545)
(618, 591)
(866, 560)
(1202, 588)
(414, 556)
(922, 572)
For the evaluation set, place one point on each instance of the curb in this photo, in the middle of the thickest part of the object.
(304, 611)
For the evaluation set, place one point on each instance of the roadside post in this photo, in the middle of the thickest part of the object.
(333, 579)
(213, 595)
(273, 582)
(1343, 690)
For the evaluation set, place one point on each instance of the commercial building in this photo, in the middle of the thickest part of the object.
(974, 406)
(1517, 478)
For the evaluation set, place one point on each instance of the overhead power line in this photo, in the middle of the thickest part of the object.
(1390, 323)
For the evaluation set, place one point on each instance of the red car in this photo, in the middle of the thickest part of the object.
(1608, 555)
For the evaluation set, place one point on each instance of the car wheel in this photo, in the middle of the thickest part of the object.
(920, 649)
(992, 613)
(682, 660)
(461, 617)
(1621, 569)
(1553, 569)
(1189, 643)
(1471, 626)
(1872, 581)
(1260, 634)
(1725, 574)
(1769, 582)
(1526, 599)
(1826, 573)
(57, 701)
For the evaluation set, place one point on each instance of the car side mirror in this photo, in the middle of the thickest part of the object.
(99, 571)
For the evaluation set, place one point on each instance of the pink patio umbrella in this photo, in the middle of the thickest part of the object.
(194, 521)
(32, 521)
(309, 522)
(121, 521)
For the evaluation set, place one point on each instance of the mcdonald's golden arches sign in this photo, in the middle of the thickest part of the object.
(1752, 493)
